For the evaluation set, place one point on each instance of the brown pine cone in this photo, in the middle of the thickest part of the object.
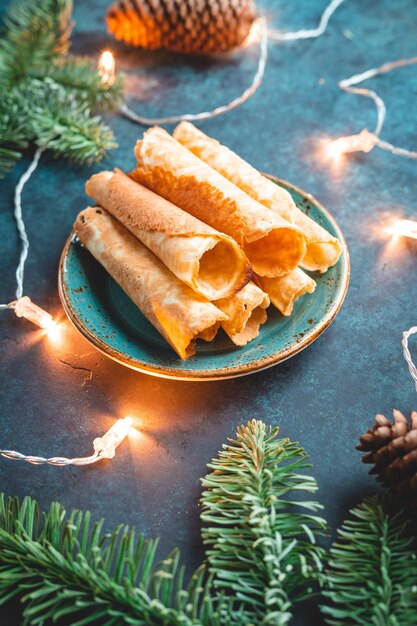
(191, 26)
(392, 449)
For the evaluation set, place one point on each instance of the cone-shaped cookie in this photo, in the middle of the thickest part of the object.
(392, 449)
(195, 26)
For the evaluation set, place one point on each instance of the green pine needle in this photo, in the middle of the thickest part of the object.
(63, 566)
(51, 98)
(36, 33)
(372, 574)
(64, 125)
(80, 75)
(260, 531)
(13, 132)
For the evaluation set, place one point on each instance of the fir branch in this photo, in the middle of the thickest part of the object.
(372, 574)
(36, 33)
(13, 132)
(261, 534)
(63, 566)
(79, 76)
(54, 94)
(59, 122)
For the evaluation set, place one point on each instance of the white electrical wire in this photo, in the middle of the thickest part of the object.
(57, 461)
(276, 35)
(18, 215)
(406, 352)
(347, 85)
(173, 119)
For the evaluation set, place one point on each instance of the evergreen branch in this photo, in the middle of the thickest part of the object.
(372, 573)
(62, 566)
(12, 133)
(260, 533)
(62, 124)
(79, 76)
(36, 32)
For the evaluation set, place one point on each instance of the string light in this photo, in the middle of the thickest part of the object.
(107, 67)
(405, 228)
(23, 305)
(259, 32)
(366, 140)
(104, 448)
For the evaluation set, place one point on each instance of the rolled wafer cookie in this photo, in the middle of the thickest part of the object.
(273, 245)
(285, 290)
(323, 250)
(246, 311)
(176, 311)
(210, 262)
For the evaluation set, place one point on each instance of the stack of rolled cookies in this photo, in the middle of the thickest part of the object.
(199, 239)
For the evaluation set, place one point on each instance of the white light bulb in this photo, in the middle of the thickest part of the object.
(364, 141)
(24, 307)
(405, 228)
(106, 445)
(106, 67)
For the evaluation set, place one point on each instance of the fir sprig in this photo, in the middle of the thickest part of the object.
(52, 97)
(372, 574)
(260, 530)
(36, 33)
(63, 566)
(79, 75)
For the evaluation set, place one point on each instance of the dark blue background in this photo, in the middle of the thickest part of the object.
(56, 398)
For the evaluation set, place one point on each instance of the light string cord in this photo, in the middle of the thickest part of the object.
(348, 85)
(276, 35)
(256, 82)
(18, 216)
(406, 352)
(104, 448)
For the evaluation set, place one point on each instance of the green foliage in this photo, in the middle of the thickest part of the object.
(80, 76)
(52, 98)
(372, 574)
(63, 566)
(13, 132)
(260, 530)
(37, 31)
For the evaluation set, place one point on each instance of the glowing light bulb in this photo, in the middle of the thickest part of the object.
(255, 33)
(24, 307)
(106, 445)
(364, 141)
(405, 228)
(106, 67)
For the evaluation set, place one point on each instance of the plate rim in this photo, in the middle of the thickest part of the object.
(219, 373)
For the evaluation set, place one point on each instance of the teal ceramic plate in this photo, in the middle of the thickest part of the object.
(103, 313)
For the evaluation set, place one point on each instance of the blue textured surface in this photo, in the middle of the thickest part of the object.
(56, 398)
(103, 312)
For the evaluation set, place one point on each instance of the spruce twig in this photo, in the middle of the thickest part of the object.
(260, 532)
(372, 573)
(52, 97)
(36, 33)
(63, 566)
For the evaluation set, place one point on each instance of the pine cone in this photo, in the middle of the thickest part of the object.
(392, 449)
(192, 26)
